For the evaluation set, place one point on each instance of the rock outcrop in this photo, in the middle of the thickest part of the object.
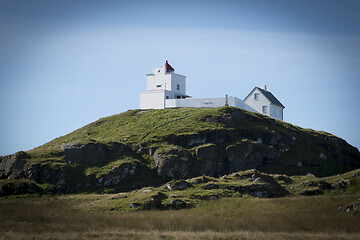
(67, 175)
(20, 187)
(117, 174)
(92, 153)
(247, 155)
(10, 166)
(172, 163)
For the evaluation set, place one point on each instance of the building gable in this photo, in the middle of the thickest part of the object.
(268, 95)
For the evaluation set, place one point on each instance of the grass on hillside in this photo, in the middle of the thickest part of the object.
(134, 126)
(139, 126)
(150, 128)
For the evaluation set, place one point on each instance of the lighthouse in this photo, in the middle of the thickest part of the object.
(162, 84)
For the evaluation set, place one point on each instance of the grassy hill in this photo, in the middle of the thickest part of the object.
(141, 148)
(212, 173)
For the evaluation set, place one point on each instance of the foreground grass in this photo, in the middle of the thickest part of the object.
(182, 235)
(69, 217)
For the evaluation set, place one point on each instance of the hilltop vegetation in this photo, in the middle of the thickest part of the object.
(146, 148)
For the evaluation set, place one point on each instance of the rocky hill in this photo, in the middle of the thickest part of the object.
(146, 148)
(188, 193)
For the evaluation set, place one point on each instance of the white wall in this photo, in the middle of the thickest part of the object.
(178, 79)
(207, 103)
(195, 102)
(153, 99)
(166, 81)
(236, 102)
(150, 82)
(158, 79)
(257, 105)
(276, 112)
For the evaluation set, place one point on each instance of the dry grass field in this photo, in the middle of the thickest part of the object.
(70, 217)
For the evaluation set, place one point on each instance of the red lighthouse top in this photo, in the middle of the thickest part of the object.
(168, 67)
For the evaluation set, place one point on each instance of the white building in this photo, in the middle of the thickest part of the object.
(167, 89)
(265, 102)
(163, 84)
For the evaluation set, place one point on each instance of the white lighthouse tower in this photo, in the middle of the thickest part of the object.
(163, 84)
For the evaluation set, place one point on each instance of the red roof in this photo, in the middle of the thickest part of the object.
(168, 67)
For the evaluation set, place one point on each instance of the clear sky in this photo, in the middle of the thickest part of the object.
(64, 64)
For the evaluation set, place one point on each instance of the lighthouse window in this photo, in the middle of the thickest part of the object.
(159, 85)
(178, 87)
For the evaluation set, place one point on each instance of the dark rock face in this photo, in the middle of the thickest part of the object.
(91, 153)
(200, 180)
(172, 163)
(43, 173)
(213, 160)
(339, 149)
(153, 204)
(66, 177)
(219, 155)
(311, 192)
(19, 188)
(246, 155)
(210, 152)
(223, 151)
(117, 174)
(11, 165)
(177, 204)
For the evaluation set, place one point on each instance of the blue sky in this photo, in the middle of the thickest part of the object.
(64, 64)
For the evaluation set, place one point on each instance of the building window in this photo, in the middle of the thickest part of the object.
(167, 97)
(178, 87)
(264, 109)
(256, 96)
(159, 85)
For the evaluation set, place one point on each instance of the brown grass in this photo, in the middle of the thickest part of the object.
(181, 235)
(68, 217)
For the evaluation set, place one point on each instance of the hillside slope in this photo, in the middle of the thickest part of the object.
(141, 148)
